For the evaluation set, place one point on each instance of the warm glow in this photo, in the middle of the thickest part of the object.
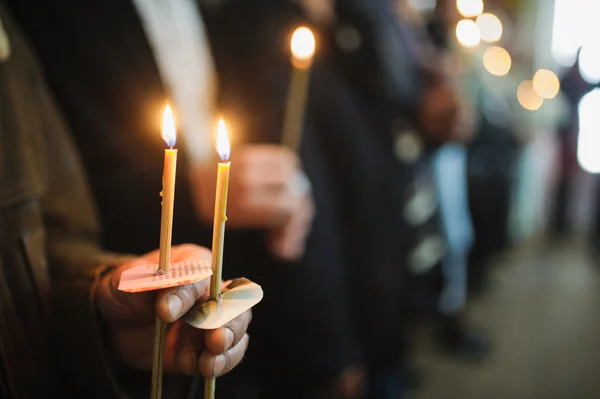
(527, 97)
(469, 8)
(168, 127)
(497, 61)
(589, 132)
(546, 83)
(589, 62)
(467, 33)
(303, 43)
(490, 27)
(223, 146)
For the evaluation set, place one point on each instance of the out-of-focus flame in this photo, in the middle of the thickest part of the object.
(497, 61)
(168, 127)
(469, 8)
(490, 27)
(223, 146)
(303, 43)
(467, 33)
(527, 96)
(546, 84)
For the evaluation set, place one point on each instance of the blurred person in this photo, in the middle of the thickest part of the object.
(66, 330)
(573, 88)
(494, 155)
(371, 117)
(451, 175)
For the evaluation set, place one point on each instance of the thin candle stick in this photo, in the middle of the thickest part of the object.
(295, 109)
(164, 262)
(217, 249)
(303, 48)
(220, 218)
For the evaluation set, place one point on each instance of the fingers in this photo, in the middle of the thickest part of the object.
(211, 365)
(222, 339)
(224, 342)
(262, 190)
(187, 361)
(122, 308)
(288, 243)
(172, 303)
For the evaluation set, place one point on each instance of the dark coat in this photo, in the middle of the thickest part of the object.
(51, 342)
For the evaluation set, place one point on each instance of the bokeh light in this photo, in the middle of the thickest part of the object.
(490, 27)
(589, 132)
(527, 96)
(467, 33)
(469, 8)
(497, 61)
(589, 62)
(546, 83)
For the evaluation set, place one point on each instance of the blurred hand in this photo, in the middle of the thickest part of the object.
(439, 112)
(130, 318)
(352, 383)
(267, 190)
(288, 242)
(319, 11)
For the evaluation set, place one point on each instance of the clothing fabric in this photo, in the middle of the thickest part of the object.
(355, 127)
(450, 167)
(51, 344)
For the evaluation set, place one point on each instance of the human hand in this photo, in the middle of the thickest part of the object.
(351, 383)
(439, 112)
(267, 190)
(130, 318)
(288, 242)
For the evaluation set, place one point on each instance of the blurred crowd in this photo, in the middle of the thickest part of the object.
(388, 215)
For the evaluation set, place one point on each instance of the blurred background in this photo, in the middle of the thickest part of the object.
(540, 305)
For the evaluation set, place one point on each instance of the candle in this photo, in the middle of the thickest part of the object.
(166, 229)
(223, 149)
(303, 49)
(168, 191)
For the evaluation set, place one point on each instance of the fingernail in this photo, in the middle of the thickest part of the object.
(229, 338)
(220, 364)
(175, 305)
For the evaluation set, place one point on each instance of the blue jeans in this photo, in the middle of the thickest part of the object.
(451, 182)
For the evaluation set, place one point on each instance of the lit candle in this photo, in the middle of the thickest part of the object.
(168, 191)
(223, 149)
(166, 229)
(303, 50)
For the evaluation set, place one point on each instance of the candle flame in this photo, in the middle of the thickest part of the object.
(303, 43)
(223, 147)
(168, 127)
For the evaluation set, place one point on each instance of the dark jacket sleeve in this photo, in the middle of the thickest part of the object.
(76, 263)
(75, 260)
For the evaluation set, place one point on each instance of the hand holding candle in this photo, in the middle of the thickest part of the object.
(270, 191)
